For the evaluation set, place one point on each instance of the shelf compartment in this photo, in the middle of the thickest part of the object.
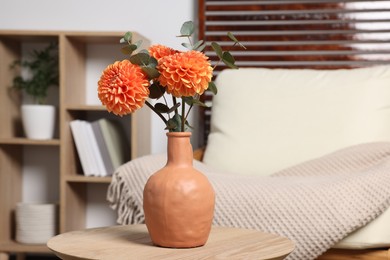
(15, 45)
(70, 153)
(26, 141)
(87, 55)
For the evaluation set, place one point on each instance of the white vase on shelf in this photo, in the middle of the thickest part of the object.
(38, 121)
(35, 222)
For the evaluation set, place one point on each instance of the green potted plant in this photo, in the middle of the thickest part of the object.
(42, 72)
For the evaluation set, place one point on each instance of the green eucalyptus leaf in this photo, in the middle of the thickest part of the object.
(228, 59)
(151, 72)
(140, 58)
(188, 100)
(171, 125)
(128, 36)
(187, 29)
(138, 43)
(242, 46)
(234, 39)
(187, 45)
(161, 108)
(156, 90)
(174, 124)
(199, 103)
(213, 88)
(201, 47)
(217, 49)
(153, 62)
(230, 65)
(177, 119)
(197, 44)
(144, 51)
(128, 50)
(122, 40)
(133, 46)
(173, 108)
(193, 101)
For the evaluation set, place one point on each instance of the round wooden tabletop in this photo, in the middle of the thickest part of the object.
(133, 242)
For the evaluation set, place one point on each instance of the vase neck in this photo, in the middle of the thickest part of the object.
(179, 148)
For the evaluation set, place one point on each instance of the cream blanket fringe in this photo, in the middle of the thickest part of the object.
(315, 204)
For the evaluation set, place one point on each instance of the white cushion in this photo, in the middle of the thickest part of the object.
(374, 235)
(264, 120)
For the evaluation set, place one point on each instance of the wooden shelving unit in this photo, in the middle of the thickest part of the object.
(25, 141)
(73, 55)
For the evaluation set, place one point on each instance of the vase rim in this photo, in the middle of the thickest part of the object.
(179, 134)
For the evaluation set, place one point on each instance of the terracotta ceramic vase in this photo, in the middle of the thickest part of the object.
(178, 199)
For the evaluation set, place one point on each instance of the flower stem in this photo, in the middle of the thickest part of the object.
(190, 41)
(188, 113)
(166, 103)
(174, 103)
(182, 115)
(155, 111)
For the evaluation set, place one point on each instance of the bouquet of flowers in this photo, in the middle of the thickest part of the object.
(126, 85)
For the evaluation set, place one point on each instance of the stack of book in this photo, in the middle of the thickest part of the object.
(101, 146)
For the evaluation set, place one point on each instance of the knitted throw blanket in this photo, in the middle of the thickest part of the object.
(315, 204)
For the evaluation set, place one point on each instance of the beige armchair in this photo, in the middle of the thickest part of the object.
(266, 120)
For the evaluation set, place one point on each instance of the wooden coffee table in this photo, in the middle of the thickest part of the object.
(133, 242)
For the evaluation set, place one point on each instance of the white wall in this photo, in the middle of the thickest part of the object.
(157, 20)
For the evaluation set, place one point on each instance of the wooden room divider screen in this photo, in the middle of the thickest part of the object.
(317, 34)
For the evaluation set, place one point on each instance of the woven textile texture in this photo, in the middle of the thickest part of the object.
(315, 204)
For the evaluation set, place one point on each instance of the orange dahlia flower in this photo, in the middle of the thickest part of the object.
(185, 74)
(123, 87)
(159, 51)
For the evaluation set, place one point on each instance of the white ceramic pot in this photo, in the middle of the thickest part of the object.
(38, 121)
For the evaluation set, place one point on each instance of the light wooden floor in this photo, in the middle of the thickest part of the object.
(369, 254)
(4, 256)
